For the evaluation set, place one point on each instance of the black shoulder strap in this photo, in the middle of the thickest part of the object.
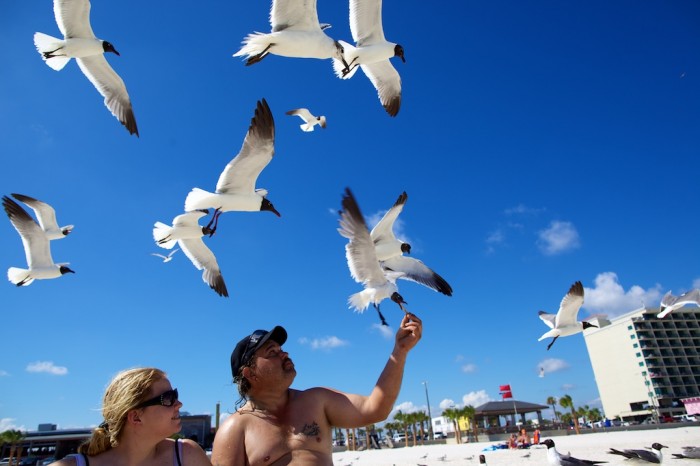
(177, 452)
(87, 461)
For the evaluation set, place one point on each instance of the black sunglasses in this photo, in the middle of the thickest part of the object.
(167, 399)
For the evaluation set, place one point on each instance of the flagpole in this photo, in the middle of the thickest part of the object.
(515, 409)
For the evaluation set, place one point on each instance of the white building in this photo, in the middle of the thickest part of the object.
(644, 365)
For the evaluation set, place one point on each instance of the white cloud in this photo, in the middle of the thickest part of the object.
(326, 343)
(609, 296)
(384, 330)
(7, 423)
(469, 368)
(496, 237)
(407, 407)
(4, 374)
(522, 209)
(568, 386)
(476, 398)
(553, 365)
(47, 367)
(559, 237)
(696, 283)
(446, 403)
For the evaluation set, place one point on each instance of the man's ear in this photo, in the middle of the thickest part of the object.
(247, 372)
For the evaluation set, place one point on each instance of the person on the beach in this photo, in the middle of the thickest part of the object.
(140, 410)
(536, 436)
(524, 439)
(281, 425)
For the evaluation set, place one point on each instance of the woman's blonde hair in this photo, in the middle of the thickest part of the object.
(127, 390)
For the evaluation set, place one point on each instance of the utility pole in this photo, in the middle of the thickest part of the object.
(431, 435)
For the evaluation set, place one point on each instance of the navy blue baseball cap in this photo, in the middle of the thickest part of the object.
(249, 345)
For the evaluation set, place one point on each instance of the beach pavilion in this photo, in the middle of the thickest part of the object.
(489, 414)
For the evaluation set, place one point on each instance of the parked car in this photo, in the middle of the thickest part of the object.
(5, 461)
(399, 437)
(440, 435)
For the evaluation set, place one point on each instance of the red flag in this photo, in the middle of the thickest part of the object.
(506, 395)
(504, 388)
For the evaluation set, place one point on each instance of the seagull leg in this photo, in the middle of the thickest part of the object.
(347, 68)
(381, 317)
(550, 345)
(258, 58)
(215, 221)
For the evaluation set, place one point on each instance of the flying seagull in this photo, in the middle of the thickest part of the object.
(564, 323)
(187, 232)
(235, 189)
(363, 263)
(670, 303)
(554, 458)
(46, 215)
(652, 455)
(296, 32)
(73, 18)
(37, 248)
(390, 252)
(309, 119)
(372, 53)
(169, 257)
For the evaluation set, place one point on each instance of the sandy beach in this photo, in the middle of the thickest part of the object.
(592, 446)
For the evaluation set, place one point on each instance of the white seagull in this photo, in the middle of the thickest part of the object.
(73, 18)
(309, 119)
(372, 53)
(390, 252)
(235, 189)
(169, 257)
(564, 323)
(363, 263)
(46, 215)
(554, 458)
(652, 455)
(296, 32)
(187, 232)
(691, 453)
(670, 303)
(37, 248)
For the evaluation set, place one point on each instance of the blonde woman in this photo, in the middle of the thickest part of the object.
(141, 410)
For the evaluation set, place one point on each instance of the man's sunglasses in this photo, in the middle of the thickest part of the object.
(168, 398)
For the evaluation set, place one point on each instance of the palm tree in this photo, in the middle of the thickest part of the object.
(14, 437)
(469, 412)
(422, 419)
(412, 420)
(595, 415)
(552, 401)
(566, 402)
(453, 415)
(401, 418)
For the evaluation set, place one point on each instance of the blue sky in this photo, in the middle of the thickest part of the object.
(539, 143)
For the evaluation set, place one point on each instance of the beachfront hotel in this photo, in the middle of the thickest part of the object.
(644, 366)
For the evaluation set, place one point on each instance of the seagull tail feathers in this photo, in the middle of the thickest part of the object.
(46, 44)
(197, 199)
(663, 313)
(19, 277)
(338, 68)
(162, 234)
(253, 44)
(360, 301)
(307, 127)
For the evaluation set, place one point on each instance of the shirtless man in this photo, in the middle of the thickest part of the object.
(279, 425)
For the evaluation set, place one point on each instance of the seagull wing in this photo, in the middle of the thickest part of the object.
(690, 297)
(549, 319)
(387, 81)
(668, 300)
(173, 252)
(112, 87)
(242, 172)
(359, 252)
(36, 244)
(366, 21)
(202, 258)
(298, 15)
(415, 270)
(73, 18)
(189, 219)
(568, 309)
(44, 212)
(647, 455)
(302, 113)
(384, 230)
